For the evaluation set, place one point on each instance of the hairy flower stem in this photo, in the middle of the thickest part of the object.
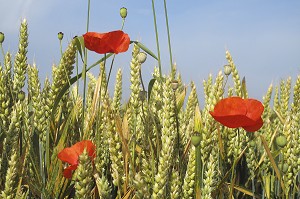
(112, 63)
(2, 50)
(109, 73)
(85, 65)
(198, 171)
(157, 42)
(169, 39)
(60, 48)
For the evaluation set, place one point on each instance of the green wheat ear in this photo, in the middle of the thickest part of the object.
(295, 111)
(6, 97)
(189, 178)
(209, 179)
(176, 187)
(167, 138)
(5, 102)
(118, 92)
(62, 73)
(115, 149)
(11, 177)
(84, 176)
(20, 63)
(141, 187)
(187, 120)
(103, 186)
(235, 75)
(135, 79)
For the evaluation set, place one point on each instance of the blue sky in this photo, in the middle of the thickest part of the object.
(262, 36)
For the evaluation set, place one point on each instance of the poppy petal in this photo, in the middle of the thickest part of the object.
(230, 106)
(80, 146)
(68, 155)
(254, 109)
(67, 173)
(254, 127)
(235, 112)
(117, 41)
(111, 42)
(233, 121)
(230, 112)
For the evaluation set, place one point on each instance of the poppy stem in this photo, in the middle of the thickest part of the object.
(60, 46)
(169, 39)
(84, 67)
(253, 188)
(77, 72)
(157, 42)
(198, 171)
(233, 174)
(42, 159)
(123, 22)
(109, 73)
(88, 16)
(2, 50)
(143, 86)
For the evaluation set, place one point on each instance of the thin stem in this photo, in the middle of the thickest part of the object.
(42, 158)
(77, 72)
(253, 187)
(223, 88)
(143, 86)
(88, 16)
(2, 50)
(198, 170)
(84, 66)
(157, 42)
(123, 22)
(60, 46)
(177, 129)
(109, 73)
(233, 176)
(169, 38)
(112, 62)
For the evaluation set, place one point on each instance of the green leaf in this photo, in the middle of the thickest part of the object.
(79, 42)
(150, 86)
(244, 190)
(198, 120)
(277, 172)
(144, 48)
(244, 88)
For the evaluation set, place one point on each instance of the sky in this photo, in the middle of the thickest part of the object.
(263, 37)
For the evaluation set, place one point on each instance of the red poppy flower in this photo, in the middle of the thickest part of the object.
(111, 42)
(235, 112)
(71, 155)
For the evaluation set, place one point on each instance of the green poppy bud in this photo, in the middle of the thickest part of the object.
(142, 95)
(141, 57)
(60, 35)
(227, 70)
(2, 37)
(123, 12)
(281, 141)
(196, 139)
(174, 84)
